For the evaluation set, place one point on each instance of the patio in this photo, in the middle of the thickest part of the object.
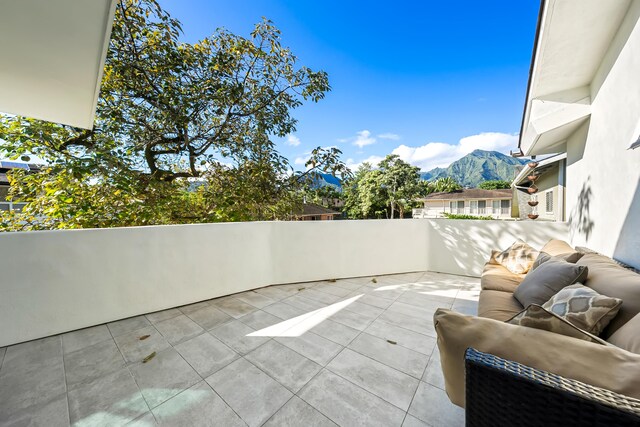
(358, 351)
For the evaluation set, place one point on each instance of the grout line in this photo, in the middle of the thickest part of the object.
(225, 402)
(3, 357)
(66, 384)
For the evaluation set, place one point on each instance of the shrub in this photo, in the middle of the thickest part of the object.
(463, 216)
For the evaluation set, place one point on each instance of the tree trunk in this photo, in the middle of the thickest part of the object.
(392, 204)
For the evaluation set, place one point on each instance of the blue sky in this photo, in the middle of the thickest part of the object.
(430, 81)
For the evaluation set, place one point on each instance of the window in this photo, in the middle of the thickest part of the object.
(505, 207)
(496, 206)
(461, 206)
(452, 207)
(474, 206)
(548, 196)
(482, 207)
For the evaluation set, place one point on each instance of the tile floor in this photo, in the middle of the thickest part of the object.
(358, 351)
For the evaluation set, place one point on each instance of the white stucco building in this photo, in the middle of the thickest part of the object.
(583, 99)
(473, 201)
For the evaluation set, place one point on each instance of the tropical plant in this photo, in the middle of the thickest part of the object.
(494, 185)
(445, 185)
(381, 192)
(183, 132)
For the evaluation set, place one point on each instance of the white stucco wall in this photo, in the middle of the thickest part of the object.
(59, 281)
(603, 175)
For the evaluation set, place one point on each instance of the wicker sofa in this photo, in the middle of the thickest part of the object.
(613, 367)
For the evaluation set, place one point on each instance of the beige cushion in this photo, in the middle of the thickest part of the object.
(498, 305)
(608, 278)
(545, 281)
(628, 336)
(584, 307)
(496, 277)
(602, 366)
(555, 247)
(538, 317)
(517, 258)
(571, 257)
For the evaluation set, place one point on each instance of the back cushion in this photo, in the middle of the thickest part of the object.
(608, 278)
(628, 336)
(556, 247)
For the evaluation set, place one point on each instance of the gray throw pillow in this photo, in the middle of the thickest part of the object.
(543, 257)
(539, 285)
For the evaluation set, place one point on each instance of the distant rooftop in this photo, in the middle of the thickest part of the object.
(312, 209)
(471, 193)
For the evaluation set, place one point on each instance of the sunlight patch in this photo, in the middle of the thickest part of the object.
(301, 324)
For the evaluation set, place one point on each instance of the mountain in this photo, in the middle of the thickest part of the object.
(476, 167)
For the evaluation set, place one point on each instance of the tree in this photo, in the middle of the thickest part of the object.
(363, 195)
(494, 185)
(445, 185)
(171, 116)
(401, 182)
(390, 188)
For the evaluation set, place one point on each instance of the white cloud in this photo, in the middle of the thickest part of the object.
(440, 154)
(293, 140)
(490, 141)
(362, 139)
(390, 136)
(372, 160)
(301, 160)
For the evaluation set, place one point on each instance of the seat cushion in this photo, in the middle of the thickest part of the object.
(604, 366)
(608, 278)
(547, 279)
(496, 277)
(498, 305)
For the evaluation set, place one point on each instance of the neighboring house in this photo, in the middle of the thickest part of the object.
(550, 182)
(6, 166)
(313, 212)
(583, 99)
(474, 201)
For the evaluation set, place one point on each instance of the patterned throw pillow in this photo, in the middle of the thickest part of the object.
(518, 258)
(537, 317)
(584, 307)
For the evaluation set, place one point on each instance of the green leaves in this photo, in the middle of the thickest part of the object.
(383, 191)
(494, 185)
(182, 134)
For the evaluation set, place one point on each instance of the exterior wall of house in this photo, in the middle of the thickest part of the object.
(435, 209)
(550, 183)
(58, 281)
(603, 174)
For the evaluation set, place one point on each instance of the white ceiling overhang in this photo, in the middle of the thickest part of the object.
(53, 54)
(572, 39)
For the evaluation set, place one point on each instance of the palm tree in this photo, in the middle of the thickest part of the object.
(446, 185)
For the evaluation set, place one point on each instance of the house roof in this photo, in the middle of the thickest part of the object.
(6, 166)
(571, 40)
(471, 193)
(53, 57)
(312, 209)
(542, 167)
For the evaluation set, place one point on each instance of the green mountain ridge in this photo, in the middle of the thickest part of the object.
(476, 167)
